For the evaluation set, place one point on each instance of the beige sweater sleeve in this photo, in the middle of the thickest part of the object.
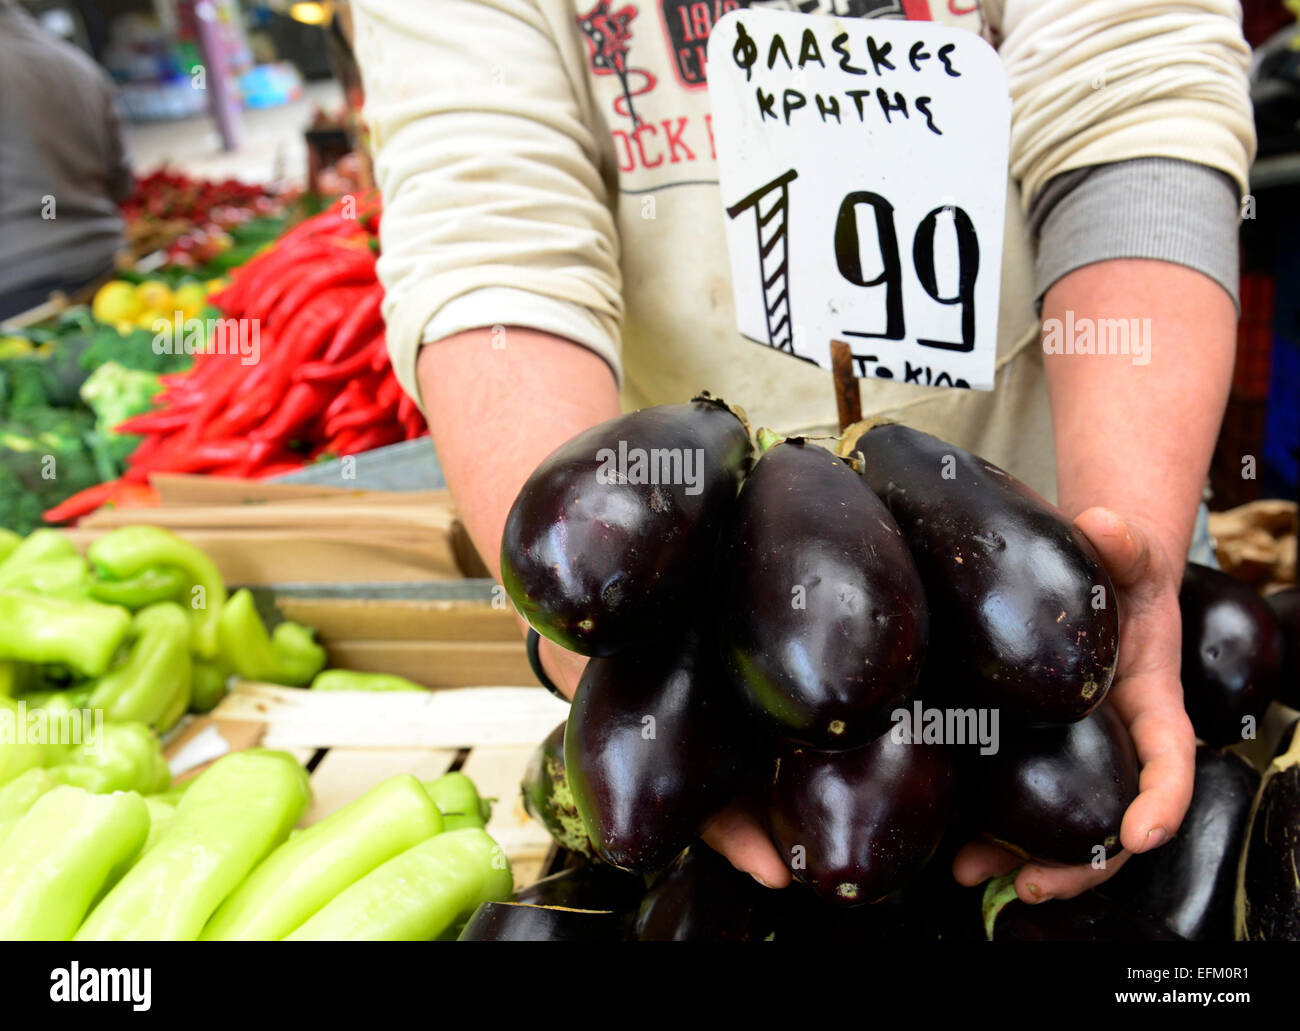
(1097, 81)
(496, 211)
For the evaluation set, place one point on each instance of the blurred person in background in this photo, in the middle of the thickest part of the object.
(63, 165)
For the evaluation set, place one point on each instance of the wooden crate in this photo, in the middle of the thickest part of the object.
(351, 741)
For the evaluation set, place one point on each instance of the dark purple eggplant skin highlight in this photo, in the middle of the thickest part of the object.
(827, 666)
(866, 820)
(1232, 654)
(645, 798)
(598, 567)
(1055, 794)
(702, 897)
(1011, 583)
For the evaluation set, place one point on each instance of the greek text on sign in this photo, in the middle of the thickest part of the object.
(863, 167)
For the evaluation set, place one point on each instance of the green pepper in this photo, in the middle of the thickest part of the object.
(209, 685)
(291, 656)
(65, 577)
(458, 800)
(61, 856)
(16, 678)
(19, 795)
(356, 680)
(161, 814)
(17, 753)
(148, 587)
(304, 873)
(237, 811)
(82, 634)
(418, 894)
(121, 757)
(36, 549)
(9, 541)
(153, 684)
(128, 552)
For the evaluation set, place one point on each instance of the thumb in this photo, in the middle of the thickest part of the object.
(1124, 549)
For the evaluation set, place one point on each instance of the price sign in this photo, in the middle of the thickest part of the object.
(863, 166)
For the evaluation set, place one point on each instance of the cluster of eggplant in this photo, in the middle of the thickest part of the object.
(758, 629)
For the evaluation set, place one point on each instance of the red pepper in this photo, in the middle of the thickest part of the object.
(81, 503)
(328, 371)
(347, 267)
(389, 391)
(379, 361)
(357, 418)
(378, 436)
(298, 407)
(352, 394)
(162, 421)
(355, 328)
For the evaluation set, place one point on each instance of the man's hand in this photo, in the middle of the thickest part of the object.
(1147, 695)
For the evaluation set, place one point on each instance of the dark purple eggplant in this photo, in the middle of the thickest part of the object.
(1268, 887)
(1286, 608)
(1058, 794)
(702, 897)
(855, 825)
(522, 922)
(823, 619)
(547, 798)
(1190, 883)
(654, 746)
(597, 886)
(1021, 607)
(615, 527)
(1232, 655)
(1085, 918)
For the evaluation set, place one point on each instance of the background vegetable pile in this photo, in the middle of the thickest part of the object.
(779, 628)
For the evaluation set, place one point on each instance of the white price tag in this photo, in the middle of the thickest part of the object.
(863, 166)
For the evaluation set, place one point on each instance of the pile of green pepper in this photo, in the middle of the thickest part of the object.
(141, 628)
(220, 861)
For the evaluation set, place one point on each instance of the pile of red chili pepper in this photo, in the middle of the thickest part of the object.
(321, 386)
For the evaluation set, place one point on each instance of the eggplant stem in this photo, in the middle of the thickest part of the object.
(768, 439)
(999, 892)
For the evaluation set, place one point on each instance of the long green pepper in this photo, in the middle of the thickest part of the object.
(84, 635)
(290, 656)
(153, 685)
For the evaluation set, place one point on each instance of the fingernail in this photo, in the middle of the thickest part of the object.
(1155, 838)
(1037, 893)
(760, 880)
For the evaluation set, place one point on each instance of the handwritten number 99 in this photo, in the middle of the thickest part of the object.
(848, 256)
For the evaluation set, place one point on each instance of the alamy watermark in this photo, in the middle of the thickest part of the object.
(37, 726)
(921, 725)
(183, 335)
(1098, 336)
(638, 465)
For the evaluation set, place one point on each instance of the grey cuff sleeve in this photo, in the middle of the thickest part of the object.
(1160, 208)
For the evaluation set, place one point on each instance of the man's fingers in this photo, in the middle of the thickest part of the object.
(1166, 747)
(1036, 883)
(977, 861)
(738, 836)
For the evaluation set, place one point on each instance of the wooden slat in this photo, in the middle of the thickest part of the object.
(183, 489)
(345, 774)
(455, 718)
(348, 619)
(439, 664)
(497, 773)
(309, 516)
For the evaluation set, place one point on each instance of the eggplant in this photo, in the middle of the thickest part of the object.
(823, 618)
(1021, 607)
(1189, 884)
(654, 746)
(1232, 655)
(524, 922)
(1058, 793)
(1286, 609)
(1085, 918)
(702, 897)
(595, 886)
(1268, 888)
(855, 825)
(548, 799)
(616, 526)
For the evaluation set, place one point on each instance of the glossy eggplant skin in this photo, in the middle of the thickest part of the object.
(597, 886)
(655, 744)
(522, 922)
(1056, 794)
(702, 897)
(1021, 606)
(855, 825)
(1268, 890)
(1189, 884)
(1286, 608)
(1085, 918)
(823, 622)
(548, 799)
(596, 564)
(1232, 654)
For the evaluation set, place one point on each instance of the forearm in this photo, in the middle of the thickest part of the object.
(1137, 438)
(496, 411)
